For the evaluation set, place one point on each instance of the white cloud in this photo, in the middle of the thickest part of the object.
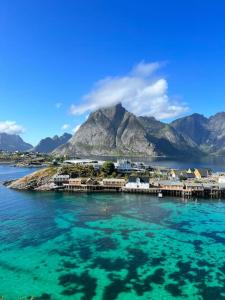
(11, 127)
(146, 69)
(139, 91)
(58, 105)
(65, 127)
(76, 128)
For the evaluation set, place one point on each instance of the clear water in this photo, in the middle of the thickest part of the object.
(109, 246)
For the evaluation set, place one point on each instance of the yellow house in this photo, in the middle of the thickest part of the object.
(201, 173)
(113, 182)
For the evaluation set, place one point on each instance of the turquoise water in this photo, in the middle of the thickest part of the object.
(109, 246)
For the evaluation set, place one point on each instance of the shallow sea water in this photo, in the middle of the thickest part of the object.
(109, 246)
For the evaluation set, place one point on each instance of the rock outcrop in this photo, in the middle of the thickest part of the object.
(39, 180)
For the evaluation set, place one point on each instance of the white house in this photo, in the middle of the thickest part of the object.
(97, 164)
(123, 165)
(80, 161)
(221, 179)
(138, 182)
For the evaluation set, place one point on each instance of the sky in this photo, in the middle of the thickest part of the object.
(60, 60)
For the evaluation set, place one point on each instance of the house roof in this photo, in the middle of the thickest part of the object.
(170, 183)
(114, 179)
(202, 172)
(176, 172)
(143, 179)
(191, 169)
(188, 175)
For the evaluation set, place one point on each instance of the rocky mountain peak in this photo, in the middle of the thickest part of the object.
(13, 142)
(49, 144)
(113, 131)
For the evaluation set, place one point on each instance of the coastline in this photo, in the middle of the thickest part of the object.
(154, 191)
(161, 182)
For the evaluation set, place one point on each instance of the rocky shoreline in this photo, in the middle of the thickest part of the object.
(41, 180)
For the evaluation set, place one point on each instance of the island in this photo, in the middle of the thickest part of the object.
(88, 175)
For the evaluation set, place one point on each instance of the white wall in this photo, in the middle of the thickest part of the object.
(134, 185)
(221, 179)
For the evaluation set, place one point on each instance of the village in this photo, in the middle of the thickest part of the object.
(137, 177)
(124, 175)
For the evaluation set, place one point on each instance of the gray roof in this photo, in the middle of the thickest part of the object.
(143, 179)
(169, 182)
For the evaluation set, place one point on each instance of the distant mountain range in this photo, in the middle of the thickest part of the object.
(13, 142)
(49, 144)
(115, 131)
(10, 142)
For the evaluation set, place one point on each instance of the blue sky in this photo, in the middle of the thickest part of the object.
(61, 59)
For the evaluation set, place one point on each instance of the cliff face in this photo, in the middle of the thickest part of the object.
(111, 130)
(194, 126)
(48, 144)
(13, 142)
(208, 133)
(114, 131)
(167, 140)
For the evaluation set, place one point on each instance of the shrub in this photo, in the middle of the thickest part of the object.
(108, 167)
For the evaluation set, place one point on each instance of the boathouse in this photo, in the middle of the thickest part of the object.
(60, 180)
(138, 182)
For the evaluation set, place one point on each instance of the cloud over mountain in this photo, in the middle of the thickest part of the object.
(11, 127)
(140, 91)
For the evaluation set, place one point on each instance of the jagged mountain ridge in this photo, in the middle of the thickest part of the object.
(115, 131)
(13, 142)
(208, 133)
(49, 144)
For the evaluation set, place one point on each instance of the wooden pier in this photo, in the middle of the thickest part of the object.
(160, 188)
(180, 192)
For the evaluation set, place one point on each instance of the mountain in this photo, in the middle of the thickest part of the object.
(48, 144)
(208, 133)
(167, 140)
(194, 126)
(13, 142)
(115, 131)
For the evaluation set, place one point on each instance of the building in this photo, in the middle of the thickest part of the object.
(80, 161)
(169, 185)
(161, 172)
(190, 170)
(194, 186)
(92, 185)
(175, 174)
(123, 165)
(113, 182)
(59, 180)
(221, 179)
(179, 175)
(97, 164)
(201, 173)
(138, 182)
(188, 175)
(82, 184)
